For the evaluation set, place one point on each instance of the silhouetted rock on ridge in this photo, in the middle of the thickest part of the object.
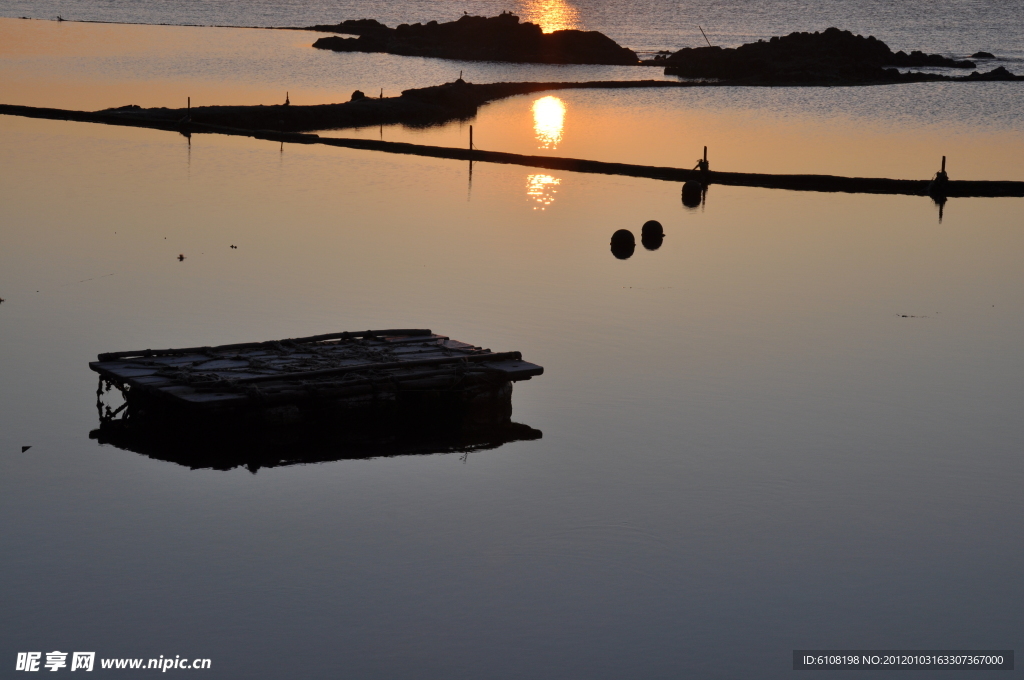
(472, 38)
(829, 56)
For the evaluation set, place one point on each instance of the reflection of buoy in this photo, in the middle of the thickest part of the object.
(623, 244)
(691, 194)
(651, 228)
(652, 241)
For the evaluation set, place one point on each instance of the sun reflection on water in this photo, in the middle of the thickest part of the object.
(548, 121)
(541, 189)
(551, 15)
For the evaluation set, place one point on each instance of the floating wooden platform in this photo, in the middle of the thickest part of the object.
(342, 369)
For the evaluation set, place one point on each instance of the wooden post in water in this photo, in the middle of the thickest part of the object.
(943, 165)
(470, 137)
(382, 93)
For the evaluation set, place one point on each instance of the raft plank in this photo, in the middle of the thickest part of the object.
(334, 366)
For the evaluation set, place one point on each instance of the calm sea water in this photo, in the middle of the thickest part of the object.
(951, 26)
(794, 425)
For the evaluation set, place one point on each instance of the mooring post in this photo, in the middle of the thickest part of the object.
(382, 93)
(470, 137)
(703, 165)
(937, 187)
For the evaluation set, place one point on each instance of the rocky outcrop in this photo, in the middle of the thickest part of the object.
(827, 57)
(472, 38)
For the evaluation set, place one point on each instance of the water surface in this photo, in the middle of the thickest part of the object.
(794, 425)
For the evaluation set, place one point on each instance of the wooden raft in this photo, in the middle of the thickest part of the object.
(336, 366)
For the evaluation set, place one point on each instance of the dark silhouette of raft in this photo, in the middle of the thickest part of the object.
(316, 377)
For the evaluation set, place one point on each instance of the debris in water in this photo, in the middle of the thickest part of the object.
(25, 448)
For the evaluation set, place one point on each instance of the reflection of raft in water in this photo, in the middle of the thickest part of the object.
(319, 378)
(263, 446)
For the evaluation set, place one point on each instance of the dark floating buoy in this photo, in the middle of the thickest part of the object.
(652, 235)
(652, 241)
(623, 237)
(623, 244)
(651, 228)
(692, 194)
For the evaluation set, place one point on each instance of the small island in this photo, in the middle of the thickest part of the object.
(829, 57)
(473, 38)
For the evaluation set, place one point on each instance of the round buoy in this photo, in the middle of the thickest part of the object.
(623, 237)
(650, 229)
(692, 194)
(652, 241)
(623, 244)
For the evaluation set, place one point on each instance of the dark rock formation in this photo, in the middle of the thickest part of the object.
(983, 55)
(829, 57)
(500, 38)
(995, 74)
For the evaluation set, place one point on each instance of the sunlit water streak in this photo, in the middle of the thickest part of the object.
(548, 121)
(551, 15)
(541, 189)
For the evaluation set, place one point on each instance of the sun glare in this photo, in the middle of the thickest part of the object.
(548, 121)
(551, 15)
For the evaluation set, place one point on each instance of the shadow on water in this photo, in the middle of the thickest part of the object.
(385, 432)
